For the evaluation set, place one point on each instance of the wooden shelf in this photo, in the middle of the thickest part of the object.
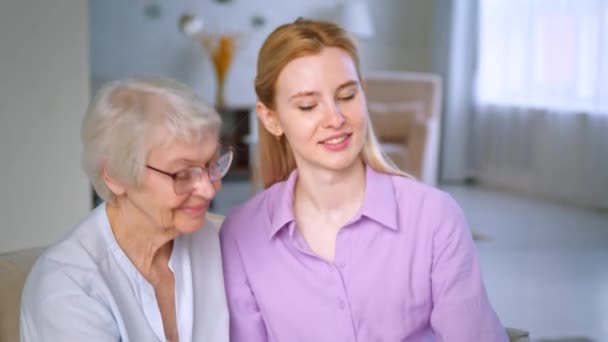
(234, 131)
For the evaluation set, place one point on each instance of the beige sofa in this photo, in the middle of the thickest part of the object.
(13, 271)
(405, 111)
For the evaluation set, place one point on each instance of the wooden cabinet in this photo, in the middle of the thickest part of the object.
(234, 132)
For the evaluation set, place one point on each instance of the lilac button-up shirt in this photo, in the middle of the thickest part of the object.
(405, 270)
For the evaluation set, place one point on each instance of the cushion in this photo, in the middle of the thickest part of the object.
(392, 122)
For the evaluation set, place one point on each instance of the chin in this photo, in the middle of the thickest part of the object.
(342, 164)
(189, 226)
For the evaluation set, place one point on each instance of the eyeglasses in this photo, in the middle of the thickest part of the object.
(184, 181)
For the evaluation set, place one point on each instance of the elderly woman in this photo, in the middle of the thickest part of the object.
(145, 265)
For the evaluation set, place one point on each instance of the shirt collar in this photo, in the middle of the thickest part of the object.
(380, 201)
(280, 204)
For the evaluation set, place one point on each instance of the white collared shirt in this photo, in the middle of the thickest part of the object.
(84, 288)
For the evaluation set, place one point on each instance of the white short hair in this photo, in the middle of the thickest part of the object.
(117, 127)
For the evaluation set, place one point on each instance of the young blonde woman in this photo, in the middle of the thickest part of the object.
(341, 245)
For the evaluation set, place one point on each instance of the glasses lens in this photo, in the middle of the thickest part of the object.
(221, 167)
(185, 180)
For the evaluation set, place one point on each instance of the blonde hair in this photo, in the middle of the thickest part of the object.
(117, 129)
(284, 44)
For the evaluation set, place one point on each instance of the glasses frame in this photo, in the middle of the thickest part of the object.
(204, 170)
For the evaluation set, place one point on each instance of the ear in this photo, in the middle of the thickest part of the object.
(269, 119)
(115, 186)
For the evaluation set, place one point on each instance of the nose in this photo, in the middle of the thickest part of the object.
(204, 187)
(335, 117)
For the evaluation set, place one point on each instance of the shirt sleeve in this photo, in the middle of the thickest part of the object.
(461, 309)
(66, 317)
(246, 322)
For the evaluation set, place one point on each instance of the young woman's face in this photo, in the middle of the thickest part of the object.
(321, 109)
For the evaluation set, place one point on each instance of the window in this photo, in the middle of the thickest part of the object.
(548, 54)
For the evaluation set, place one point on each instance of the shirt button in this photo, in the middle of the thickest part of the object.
(341, 304)
(341, 264)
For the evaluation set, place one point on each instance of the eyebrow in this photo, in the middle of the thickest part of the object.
(316, 93)
(303, 94)
(190, 162)
(347, 84)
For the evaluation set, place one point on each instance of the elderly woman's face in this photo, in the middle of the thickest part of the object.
(156, 196)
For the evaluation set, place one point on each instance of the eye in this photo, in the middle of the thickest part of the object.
(307, 108)
(188, 174)
(183, 175)
(348, 97)
(212, 162)
(215, 171)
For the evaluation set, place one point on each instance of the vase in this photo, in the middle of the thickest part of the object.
(221, 48)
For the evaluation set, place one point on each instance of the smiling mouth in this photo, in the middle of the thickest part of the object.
(337, 140)
(196, 210)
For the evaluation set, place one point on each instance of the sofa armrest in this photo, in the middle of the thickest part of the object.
(14, 268)
(516, 335)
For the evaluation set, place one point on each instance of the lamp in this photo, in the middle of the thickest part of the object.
(355, 18)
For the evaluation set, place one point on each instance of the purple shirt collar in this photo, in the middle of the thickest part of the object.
(379, 203)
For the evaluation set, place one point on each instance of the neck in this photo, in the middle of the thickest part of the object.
(330, 192)
(147, 246)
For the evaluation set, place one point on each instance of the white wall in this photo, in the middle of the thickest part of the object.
(43, 94)
(124, 41)
(404, 36)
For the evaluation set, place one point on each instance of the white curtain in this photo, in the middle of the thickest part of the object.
(541, 98)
